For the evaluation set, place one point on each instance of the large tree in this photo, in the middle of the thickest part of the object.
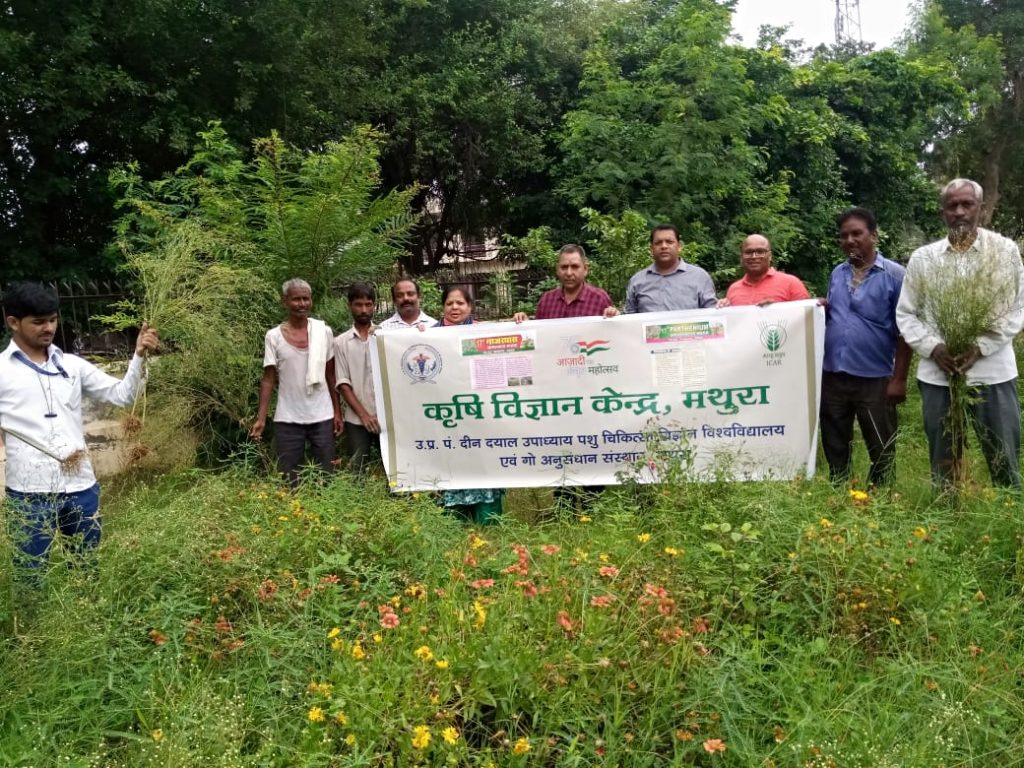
(679, 124)
(86, 85)
(989, 148)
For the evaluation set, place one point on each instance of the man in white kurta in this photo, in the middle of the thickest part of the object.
(989, 365)
(50, 484)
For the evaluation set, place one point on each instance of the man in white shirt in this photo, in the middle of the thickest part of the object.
(989, 364)
(406, 296)
(50, 483)
(354, 375)
(298, 359)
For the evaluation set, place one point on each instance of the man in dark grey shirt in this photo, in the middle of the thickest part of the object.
(669, 283)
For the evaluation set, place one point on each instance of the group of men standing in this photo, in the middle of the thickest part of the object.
(875, 319)
(325, 383)
(873, 325)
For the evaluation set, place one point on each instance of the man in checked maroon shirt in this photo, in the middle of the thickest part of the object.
(576, 297)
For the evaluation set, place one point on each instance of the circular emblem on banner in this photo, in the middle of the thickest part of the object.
(421, 362)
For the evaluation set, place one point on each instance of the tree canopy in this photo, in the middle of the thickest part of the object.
(505, 115)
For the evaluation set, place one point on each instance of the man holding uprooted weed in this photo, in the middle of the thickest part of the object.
(50, 484)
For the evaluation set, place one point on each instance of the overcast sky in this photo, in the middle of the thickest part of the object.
(882, 21)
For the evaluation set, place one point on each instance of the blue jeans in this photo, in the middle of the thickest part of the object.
(37, 519)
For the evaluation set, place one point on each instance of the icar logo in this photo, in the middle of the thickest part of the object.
(773, 336)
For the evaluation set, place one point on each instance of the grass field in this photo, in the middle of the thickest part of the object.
(228, 623)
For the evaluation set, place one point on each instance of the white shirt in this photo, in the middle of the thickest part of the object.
(352, 367)
(999, 257)
(396, 321)
(26, 396)
(295, 403)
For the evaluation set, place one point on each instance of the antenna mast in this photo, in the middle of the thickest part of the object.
(848, 22)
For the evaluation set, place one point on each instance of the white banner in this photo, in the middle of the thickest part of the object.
(728, 392)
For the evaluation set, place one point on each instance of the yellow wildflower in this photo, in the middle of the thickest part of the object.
(920, 532)
(357, 651)
(315, 715)
(476, 541)
(671, 551)
(157, 735)
(450, 735)
(441, 664)
(341, 718)
(481, 614)
(604, 557)
(333, 633)
(418, 591)
(396, 601)
(858, 495)
(583, 519)
(324, 689)
(894, 621)
(378, 637)
(351, 739)
(791, 555)
(423, 653)
(420, 737)
(643, 538)
(521, 747)
(337, 645)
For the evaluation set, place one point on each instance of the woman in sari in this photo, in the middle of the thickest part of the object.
(475, 505)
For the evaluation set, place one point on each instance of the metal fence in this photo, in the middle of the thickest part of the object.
(78, 331)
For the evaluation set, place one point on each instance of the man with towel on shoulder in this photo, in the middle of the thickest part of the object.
(298, 359)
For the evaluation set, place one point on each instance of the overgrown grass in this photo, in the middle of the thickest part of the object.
(792, 624)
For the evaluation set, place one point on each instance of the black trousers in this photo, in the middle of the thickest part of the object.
(843, 398)
(360, 442)
(290, 444)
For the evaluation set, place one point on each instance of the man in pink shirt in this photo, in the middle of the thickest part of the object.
(761, 284)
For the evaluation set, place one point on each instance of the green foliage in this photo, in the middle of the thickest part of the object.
(470, 97)
(981, 42)
(231, 623)
(676, 123)
(619, 247)
(209, 245)
(283, 214)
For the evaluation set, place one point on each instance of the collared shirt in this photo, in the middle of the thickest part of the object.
(774, 286)
(26, 396)
(686, 287)
(860, 323)
(588, 302)
(396, 321)
(352, 367)
(999, 258)
(295, 403)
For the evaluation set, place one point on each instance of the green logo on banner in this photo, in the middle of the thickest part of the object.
(773, 336)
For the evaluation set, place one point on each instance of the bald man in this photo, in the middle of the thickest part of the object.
(761, 284)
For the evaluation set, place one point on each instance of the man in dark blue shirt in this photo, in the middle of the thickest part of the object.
(866, 359)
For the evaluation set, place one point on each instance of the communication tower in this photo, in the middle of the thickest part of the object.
(848, 22)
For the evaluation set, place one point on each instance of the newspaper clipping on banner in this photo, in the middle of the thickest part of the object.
(714, 393)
